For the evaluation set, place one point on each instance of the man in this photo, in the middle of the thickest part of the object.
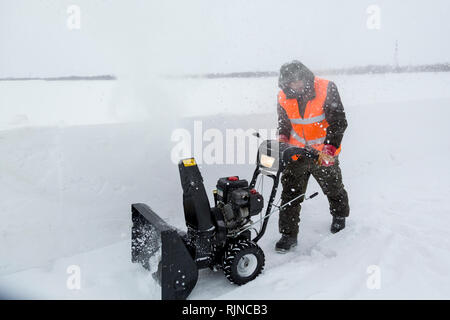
(310, 114)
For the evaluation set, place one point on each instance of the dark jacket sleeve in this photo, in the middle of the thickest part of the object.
(284, 124)
(335, 116)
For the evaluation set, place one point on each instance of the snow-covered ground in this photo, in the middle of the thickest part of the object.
(75, 155)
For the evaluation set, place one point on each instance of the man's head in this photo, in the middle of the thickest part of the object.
(295, 78)
(297, 85)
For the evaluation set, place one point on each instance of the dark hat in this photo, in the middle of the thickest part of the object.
(294, 71)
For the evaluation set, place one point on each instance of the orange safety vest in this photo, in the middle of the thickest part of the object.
(311, 130)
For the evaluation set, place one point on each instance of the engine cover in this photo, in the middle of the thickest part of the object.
(237, 201)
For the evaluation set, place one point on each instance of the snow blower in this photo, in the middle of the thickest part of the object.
(219, 237)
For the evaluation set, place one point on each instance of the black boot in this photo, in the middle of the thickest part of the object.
(338, 224)
(286, 243)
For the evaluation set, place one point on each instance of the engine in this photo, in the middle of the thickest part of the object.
(237, 202)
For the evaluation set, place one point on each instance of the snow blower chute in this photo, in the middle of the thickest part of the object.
(218, 237)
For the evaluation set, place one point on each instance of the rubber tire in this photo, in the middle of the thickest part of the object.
(232, 256)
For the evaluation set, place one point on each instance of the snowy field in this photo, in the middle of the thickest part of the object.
(76, 154)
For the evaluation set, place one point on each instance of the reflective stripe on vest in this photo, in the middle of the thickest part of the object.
(308, 120)
(297, 137)
(309, 142)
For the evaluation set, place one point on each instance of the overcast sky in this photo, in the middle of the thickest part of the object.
(168, 36)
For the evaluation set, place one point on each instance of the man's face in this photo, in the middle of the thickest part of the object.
(298, 86)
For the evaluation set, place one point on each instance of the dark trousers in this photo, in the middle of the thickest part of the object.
(295, 180)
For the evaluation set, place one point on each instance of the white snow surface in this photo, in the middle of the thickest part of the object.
(76, 154)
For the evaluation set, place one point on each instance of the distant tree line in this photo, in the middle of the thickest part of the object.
(369, 69)
(67, 78)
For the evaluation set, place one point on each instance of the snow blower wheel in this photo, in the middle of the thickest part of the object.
(243, 262)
